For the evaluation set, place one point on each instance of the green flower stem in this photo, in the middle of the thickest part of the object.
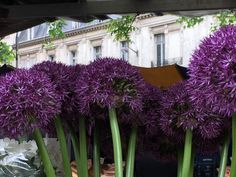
(96, 151)
(83, 148)
(63, 147)
(187, 153)
(224, 157)
(131, 153)
(116, 143)
(75, 145)
(48, 167)
(233, 163)
(191, 169)
(180, 162)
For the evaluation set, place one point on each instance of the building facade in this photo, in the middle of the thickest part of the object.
(157, 41)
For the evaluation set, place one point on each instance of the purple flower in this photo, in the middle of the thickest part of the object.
(111, 83)
(28, 100)
(70, 103)
(179, 113)
(149, 117)
(211, 145)
(58, 74)
(64, 77)
(213, 72)
(209, 124)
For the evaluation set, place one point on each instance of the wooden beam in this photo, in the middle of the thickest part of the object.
(115, 7)
(21, 25)
(3, 12)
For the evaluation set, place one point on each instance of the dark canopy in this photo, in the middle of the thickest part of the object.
(16, 15)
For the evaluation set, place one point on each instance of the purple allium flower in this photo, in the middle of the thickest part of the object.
(150, 114)
(58, 74)
(28, 100)
(209, 124)
(211, 145)
(70, 103)
(111, 83)
(179, 113)
(64, 77)
(212, 72)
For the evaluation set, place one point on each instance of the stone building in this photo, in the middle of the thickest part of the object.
(157, 41)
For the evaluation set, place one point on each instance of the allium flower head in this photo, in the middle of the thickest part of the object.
(213, 72)
(179, 113)
(150, 114)
(209, 124)
(58, 74)
(64, 77)
(70, 103)
(111, 83)
(211, 145)
(28, 100)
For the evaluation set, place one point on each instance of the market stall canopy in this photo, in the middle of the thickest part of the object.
(164, 76)
(16, 15)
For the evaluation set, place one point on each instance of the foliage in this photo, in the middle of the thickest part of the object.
(7, 55)
(122, 27)
(55, 32)
(189, 22)
(55, 29)
(226, 17)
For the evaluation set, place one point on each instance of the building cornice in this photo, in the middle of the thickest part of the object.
(162, 20)
(145, 16)
(67, 35)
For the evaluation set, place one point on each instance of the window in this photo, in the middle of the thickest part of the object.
(51, 57)
(73, 57)
(27, 61)
(31, 62)
(75, 25)
(97, 50)
(31, 33)
(124, 50)
(160, 49)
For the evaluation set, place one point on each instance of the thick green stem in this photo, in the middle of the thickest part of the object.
(83, 148)
(48, 167)
(233, 163)
(187, 153)
(224, 157)
(191, 169)
(131, 153)
(75, 145)
(96, 151)
(180, 162)
(63, 147)
(116, 143)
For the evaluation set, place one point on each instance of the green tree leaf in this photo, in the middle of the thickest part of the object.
(223, 18)
(7, 55)
(121, 28)
(55, 32)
